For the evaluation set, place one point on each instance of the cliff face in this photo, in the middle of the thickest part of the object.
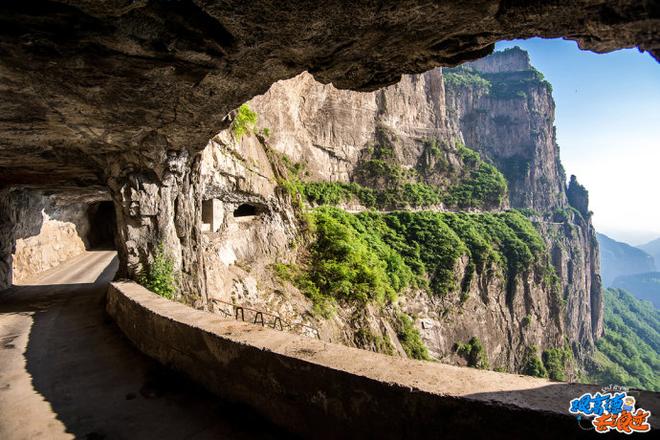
(504, 109)
(403, 147)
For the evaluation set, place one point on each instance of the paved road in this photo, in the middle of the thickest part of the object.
(67, 372)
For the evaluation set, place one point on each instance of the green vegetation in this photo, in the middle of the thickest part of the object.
(334, 193)
(475, 354)
(429, 246)
(159, 276)
(464, 76)
(373, 256)
(244, 121)
(394, 187)
(557, 361)
(501, 85)
(484, 186)
(532, 365)
(405, 195)
(628, 352)
(511, 85)
(365, 338)
(410, 339)
(382, 173)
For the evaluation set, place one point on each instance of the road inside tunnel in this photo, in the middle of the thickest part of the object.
(67, 372)
(103, 225)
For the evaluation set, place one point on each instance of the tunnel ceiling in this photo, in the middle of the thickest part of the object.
(82, 81)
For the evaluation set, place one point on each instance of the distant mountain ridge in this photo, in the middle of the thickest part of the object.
(645, 286)
(653, 249)
(619, 259)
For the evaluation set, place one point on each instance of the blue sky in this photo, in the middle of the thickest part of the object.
(608, 130)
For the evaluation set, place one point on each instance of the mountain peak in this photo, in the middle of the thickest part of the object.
(618, 258)
(513, 59)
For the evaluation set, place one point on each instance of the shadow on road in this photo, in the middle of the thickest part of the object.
(100, 387)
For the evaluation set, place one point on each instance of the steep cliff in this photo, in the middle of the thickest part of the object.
(457, 278)
(504, 109)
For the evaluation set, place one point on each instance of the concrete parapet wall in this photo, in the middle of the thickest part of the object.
(326, 390)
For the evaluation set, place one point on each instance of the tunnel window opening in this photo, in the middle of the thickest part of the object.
(212, 215)
(245, 210)
(207, 215)
(102, 225)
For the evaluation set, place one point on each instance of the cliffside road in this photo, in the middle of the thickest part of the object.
(67, 372)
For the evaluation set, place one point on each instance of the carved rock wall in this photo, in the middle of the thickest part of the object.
(159, 205)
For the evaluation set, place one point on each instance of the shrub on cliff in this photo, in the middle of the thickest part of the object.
(556, 361)
(532, 365)
(351, 262)
(410, 339)
(159, 276)
(475, 354)
(405, 195)
(464, 76)
(484, 186)
(244, 121)
(432, 246)
(372, 256)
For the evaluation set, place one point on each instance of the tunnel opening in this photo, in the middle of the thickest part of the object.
(212, 215)
(102, 225)
(245, 210)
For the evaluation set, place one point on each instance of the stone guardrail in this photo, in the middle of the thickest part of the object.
(325, 390)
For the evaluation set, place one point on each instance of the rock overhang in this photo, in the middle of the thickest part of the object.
(84, 83)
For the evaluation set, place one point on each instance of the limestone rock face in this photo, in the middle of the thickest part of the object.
(248, 225)
(57, 242)
(512, 123)
(158, 201)
(578, 196)
(328, 130)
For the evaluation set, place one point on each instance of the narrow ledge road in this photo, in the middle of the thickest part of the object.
(67, 372)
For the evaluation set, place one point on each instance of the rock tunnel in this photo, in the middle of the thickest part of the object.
(103, 225)
(46, 226)
(131, 107)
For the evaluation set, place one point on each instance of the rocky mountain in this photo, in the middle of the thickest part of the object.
(384, 219)
(618, 258)
(653, 249)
